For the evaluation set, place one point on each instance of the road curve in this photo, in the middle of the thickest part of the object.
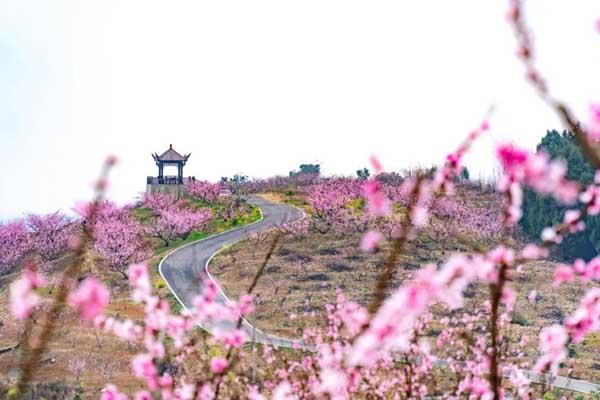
(184, 268)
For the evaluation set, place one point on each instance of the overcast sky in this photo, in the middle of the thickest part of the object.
(259, 87)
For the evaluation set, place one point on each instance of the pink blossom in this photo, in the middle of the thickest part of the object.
(177, 222)
(119, 238)
(101, 184)
(552, 346)
(511, 157)
(218, 364)
(158, 202)
(245, 305)
(206, 392)
(22, 297)
(333, 382)
(532, 297)
(553, 339)
(185, 392)
(254, 394)
(111, 392)
(370, 241)
(330, 201)
(203, 190)
(563, 273)
(533, 252)
(509, 296)
(111, 160)
(50, 234)
(83, 208)
(143, 395)
(501, 255)
(579, 269)
(14, 244)
(284, 391)
(90, 298)
(573, 221)
(377, 203)
(419, 216)
(593, 127)
(587, 316)
(139, 280)
(550, 235)
(143, 367)
(545, 176)
(580, 323)
(232, 338)
(377, 166)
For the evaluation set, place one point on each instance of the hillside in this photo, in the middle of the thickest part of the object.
(80, 358)
(309, 270)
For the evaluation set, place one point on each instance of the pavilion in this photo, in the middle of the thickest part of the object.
(169, 158)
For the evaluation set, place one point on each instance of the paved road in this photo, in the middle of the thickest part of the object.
(184, 268)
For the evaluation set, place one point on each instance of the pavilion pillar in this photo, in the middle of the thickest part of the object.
(180, 173)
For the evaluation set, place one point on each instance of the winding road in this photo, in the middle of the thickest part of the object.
(185, 267)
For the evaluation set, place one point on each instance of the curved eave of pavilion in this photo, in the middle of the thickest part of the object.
(160, 159)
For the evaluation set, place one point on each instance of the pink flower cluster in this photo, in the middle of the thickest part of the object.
(50, 234)
(23, 299)
(536, 170)
(552, 345)
(14, 244)
(586, 271)
(173, 218)
(392, 327)
(204, 190)
(119, 237)
(158, 201)
(593, 127)
(90, 298)
(47, 235)
(159, 323)
(454, 161)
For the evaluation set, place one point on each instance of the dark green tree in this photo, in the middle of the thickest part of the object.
(363, 174)
(465, 174)
(310, 169)
(541, 211)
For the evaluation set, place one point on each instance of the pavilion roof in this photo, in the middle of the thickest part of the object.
(170, 155)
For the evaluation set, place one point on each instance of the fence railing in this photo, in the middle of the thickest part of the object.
(169, 180)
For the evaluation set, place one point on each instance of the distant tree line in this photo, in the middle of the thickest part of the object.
(313, 169)
(539, 211)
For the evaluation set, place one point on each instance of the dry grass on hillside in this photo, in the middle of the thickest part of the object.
(304, 274)
(106, 357)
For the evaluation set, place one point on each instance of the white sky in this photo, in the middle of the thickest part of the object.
(259, 87)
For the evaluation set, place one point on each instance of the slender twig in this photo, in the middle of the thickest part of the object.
(526, 54)
(496, 289)
(264, 263)
(385, 278)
